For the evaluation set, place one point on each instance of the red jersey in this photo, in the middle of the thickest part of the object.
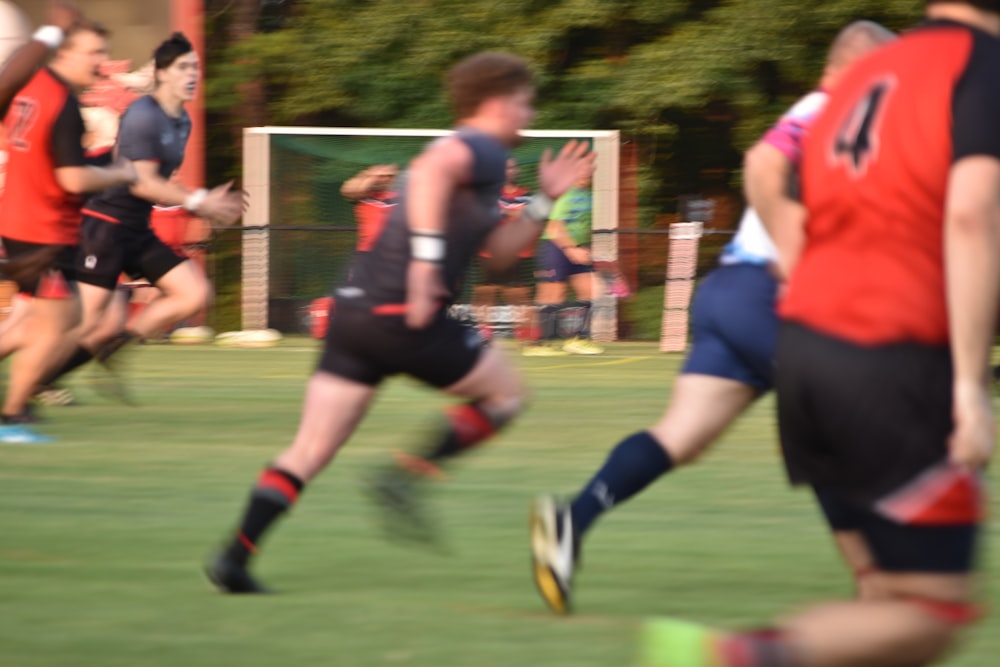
(44, 131)
(372, 212)
(170, 224)
(875, 178)
(512, 199)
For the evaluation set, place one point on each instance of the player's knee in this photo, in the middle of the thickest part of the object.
(682, 448)
(502, 409)
(195, 298)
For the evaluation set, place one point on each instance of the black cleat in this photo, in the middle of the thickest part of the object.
(115, 359)
(399, 495)
(231, 577)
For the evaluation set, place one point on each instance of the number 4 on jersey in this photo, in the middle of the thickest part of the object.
(857, 141)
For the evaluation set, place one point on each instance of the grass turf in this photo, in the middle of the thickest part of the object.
(102, 534)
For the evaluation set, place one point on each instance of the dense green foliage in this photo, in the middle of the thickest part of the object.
(695, 81)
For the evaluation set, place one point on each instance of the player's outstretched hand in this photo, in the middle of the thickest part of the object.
(574, 162)
(62, 14)
(223, 205)
(425, 291)
(972, 440)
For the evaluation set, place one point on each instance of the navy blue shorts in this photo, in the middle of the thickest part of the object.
(734, 326)
(554, 266)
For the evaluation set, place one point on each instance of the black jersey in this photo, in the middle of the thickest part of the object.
(146, 133)
(379, 276)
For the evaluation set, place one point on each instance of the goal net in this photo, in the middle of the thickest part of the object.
(299, 233)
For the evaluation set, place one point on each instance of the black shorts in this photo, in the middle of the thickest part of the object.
(868, 428)
(520, 274)
(904, 547)
(108, 249)
(367, 348)
(54, 275)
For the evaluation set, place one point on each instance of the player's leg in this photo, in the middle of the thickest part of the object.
(550, 292)
(337, 397)
(845, 523)
(94, 299)
(926, 594)
(583, 280)
(734, 329)
(43, 341)
(517, 295)
(451, 358)
(888, 474)
(332, 409)
(16, 311)
(484, 297)
(52, 312)
(10, 338)
(184, 291)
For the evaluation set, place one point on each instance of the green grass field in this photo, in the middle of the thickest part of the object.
(103, 534)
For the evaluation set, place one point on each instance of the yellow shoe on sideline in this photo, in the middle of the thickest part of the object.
(582, 346)
(543, 351)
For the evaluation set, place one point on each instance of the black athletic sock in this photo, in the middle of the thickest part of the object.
(584, 330)
(114, 344)
(466, 426)
(275, 493)
(632, 465)
(80, 356)
(548, 322)
(15, 420)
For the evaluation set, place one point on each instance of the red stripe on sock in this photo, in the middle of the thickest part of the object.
(955, 613)
(272, 479)
(470, 424)
(735, 651)
(245, 541)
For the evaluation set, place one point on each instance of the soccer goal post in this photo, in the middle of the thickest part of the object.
(299, 233)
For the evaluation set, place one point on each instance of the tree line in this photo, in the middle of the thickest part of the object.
(692, 82)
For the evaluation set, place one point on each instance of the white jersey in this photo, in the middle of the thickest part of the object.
(752, 244)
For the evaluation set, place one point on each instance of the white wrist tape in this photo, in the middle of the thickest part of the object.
(49, 35)
(426, 247)
(195, 199)
(539, 207)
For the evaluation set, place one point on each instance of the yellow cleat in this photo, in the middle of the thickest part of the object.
(582, 346)
(543, 351)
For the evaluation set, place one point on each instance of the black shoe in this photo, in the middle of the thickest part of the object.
(231, 577)
(26, 416)
(399, 495)
(114, 359)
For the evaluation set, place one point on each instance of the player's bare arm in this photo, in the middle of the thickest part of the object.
(84, 179)
(433, 177)
(368, 181)
(972, 272)
(25, 61)
(221, 204)
(767, 178)
(574, 162)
